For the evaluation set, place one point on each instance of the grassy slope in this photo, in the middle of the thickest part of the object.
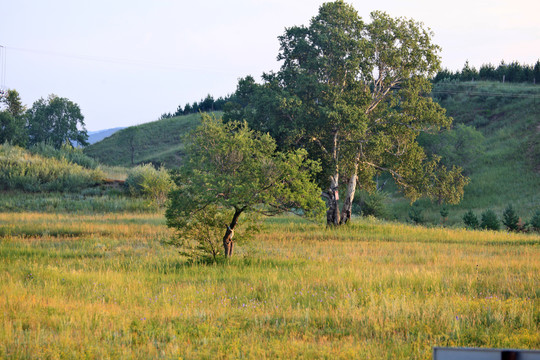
(158, 142)
(102, 286)
(508, 170)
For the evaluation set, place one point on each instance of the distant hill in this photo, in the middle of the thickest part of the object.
(95, 136)
(158, 142)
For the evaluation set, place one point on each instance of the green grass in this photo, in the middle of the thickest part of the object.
(92, 200)
(103, 286)
(158, 142)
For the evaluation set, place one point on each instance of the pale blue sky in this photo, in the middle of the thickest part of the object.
(127, 62)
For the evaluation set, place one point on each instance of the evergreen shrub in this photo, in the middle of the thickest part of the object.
(489, 220)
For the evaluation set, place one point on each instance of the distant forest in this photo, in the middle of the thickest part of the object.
(205, 105)
(513, 72)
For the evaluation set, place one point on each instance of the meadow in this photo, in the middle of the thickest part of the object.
(104, 285)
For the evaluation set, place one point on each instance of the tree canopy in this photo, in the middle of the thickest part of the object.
(57, 121)
(12, 122)
(356, 96)
(233, 169)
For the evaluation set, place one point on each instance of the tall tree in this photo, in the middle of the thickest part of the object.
(238, 171)
(57, 121)
(12, 122)
(357, 96)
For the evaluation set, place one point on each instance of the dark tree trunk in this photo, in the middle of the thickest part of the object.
(228, 241)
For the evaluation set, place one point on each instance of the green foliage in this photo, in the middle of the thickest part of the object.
(12, 129)
(21, 170)
(470, 220)
(489, 220)
(535, 221)
(237, 170)
(415, 214)
(12, 122)
(458, 146)
(56, 121)
(149, 182)
(371, 204)
(510, 218)
(444, 211)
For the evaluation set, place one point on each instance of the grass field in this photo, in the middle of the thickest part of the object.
(79, 285)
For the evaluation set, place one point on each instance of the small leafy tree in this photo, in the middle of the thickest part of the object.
(12, 122)
(57, 121)
(510, 219)
(489, 220)
(470, 220)
(236, 171)
(200, 237)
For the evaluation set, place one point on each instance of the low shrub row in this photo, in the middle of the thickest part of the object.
(22, 170)
(510, 220)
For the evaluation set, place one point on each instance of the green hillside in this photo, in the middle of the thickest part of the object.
(495, 138)
(158, 142)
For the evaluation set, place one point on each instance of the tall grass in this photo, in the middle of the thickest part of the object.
(21, 170)
(103, 286)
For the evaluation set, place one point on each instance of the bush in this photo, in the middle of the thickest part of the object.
(146, 181)
(489, 220)
(371, 204)
(510, 219)
(535, 221)
(444, 211)
(470, 220)
(415, 214)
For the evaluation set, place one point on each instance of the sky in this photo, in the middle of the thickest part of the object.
(127, 62)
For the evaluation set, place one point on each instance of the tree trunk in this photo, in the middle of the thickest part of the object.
(228, 242)
(332, 214)
(346, 211)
